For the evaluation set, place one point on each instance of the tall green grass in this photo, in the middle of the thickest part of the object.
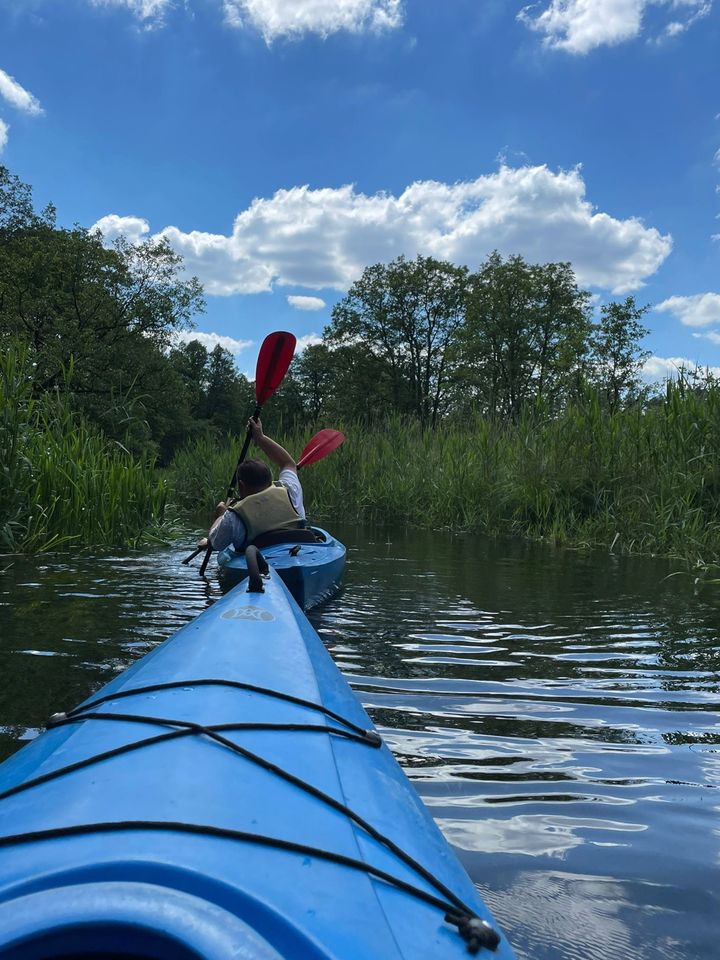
(639, 480)
(61, 483)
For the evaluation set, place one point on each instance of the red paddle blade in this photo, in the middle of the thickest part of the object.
(320, 446)
(274, 359)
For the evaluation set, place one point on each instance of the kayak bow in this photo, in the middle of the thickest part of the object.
(227, 797)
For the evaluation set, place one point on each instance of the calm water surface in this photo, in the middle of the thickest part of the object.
(558, 712)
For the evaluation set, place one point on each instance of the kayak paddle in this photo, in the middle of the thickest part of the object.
(274, 358)
(273, 361)
(320, 446)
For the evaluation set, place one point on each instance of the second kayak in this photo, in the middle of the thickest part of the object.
(311, 570)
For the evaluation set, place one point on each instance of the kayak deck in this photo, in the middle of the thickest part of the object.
(260, 817)
(311, 571)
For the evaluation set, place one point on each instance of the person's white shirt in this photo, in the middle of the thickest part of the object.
(229, 528)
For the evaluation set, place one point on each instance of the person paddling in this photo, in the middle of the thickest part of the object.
(263, 506)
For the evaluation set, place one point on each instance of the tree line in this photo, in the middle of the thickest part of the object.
(422, 338)
(430, 339)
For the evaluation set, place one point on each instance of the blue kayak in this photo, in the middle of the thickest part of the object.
(311, 571)
(227, 797)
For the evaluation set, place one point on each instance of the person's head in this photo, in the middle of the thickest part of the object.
(253, 476)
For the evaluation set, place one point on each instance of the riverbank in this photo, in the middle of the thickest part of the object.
(62, 483)
(644, 480)
(641, 481)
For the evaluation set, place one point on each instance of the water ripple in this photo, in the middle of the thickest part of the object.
(558, 712)
(531, 702)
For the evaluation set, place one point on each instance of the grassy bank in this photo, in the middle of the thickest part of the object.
(61, 483)
(641, 481)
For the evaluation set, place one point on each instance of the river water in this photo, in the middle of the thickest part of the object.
(558, 712)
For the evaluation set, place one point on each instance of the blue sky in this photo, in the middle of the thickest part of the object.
(282, 145)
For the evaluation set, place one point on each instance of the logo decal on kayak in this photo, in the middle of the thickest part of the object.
(247, 613)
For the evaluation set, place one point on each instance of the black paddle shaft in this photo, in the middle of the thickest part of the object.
(243, 453)
(233, 482)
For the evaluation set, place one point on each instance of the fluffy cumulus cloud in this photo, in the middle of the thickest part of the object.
(112, 227)
(148, 12)
(712, 335)
(579, 26)
(283, 18)
(309, 340)
(669, 368)
(306, 303)
(323, 238)
(280, 18)
(700, 310)
(17, 96)
(212, 340)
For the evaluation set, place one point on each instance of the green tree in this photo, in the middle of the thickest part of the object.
(525, 338)
(406, 314)
(285, 411)
(190, 362)
(229, 397)
(342, 384)
(316, 378)
(17, 212)
(617, 354)
(107, 314)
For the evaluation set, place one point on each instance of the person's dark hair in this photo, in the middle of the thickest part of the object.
(254, 474)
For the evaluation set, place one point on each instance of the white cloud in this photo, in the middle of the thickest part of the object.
(579, 26)
(324, 238)
(149, 12)
(212, 340)
(675, 28)
(309, 340)
(697, 9)
(306, 303)
(701, 310)
(278, 18)
(712, 336)
(134, 229)
(3, 134)
(18, 96)
(669, 368)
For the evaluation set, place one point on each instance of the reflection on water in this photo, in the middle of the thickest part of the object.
(558, 713)
(67, 625)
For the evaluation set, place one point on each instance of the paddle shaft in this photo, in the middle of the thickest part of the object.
(230, 491)
(273, 361)
(243, 453)
(233, 482)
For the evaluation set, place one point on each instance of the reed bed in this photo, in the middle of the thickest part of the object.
(61, 483)
(642, 480)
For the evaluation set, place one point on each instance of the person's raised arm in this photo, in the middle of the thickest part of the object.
(279, 455)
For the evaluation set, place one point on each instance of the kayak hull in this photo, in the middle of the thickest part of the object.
(312, 572)
(266, 824)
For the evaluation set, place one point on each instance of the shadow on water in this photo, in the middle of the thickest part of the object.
(557, 711)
